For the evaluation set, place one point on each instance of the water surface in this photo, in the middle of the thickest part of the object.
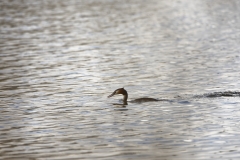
(61, 59)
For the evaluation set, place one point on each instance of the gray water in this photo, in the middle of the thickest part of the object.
(59, 60)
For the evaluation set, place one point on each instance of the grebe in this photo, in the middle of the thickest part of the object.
(125, 97)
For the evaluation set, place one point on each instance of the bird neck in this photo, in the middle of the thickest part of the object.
(125, 97)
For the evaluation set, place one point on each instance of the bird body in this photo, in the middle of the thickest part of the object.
(125, 97)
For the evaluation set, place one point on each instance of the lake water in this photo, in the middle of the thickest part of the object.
(59, 60)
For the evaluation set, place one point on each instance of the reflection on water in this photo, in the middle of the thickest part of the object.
(61, 59)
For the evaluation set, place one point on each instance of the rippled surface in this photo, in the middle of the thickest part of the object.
(61, 59)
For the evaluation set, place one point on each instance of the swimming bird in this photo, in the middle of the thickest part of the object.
(125, 97)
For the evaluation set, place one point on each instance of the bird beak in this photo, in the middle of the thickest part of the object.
(112, 94)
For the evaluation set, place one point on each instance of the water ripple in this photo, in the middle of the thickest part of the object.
(61, 59)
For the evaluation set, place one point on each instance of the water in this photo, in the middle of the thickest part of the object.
(61, 59)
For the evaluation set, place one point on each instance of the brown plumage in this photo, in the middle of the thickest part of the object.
(125, 97)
